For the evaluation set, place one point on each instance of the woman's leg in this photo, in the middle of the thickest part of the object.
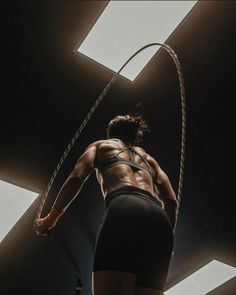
(114, 283)
(135, 240)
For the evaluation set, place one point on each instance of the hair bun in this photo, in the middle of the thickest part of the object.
(129, 128)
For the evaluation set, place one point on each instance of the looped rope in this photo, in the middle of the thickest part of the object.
(98, 102)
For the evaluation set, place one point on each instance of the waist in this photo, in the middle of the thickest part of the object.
(131, 190)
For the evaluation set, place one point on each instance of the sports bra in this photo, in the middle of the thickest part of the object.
(114, 160)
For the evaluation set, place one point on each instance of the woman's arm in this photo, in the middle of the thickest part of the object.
(68, 191)
(165, 193)
(167, 196)
(76, 179)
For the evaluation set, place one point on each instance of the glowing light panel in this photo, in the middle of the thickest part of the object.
(126, 26)
(204, 280)
(14, 201)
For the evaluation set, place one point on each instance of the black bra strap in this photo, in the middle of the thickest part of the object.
(127, 162)
(114, 160)
(121, 151)
(148, 167)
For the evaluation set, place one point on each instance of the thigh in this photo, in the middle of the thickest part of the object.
(153, 252)
(119, 236)
(135, 237)
(113, 283)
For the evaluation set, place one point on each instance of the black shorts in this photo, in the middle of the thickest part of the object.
(135, 236)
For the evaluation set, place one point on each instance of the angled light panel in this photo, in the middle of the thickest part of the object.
(204, 280)
(126, 26)
(14, 201)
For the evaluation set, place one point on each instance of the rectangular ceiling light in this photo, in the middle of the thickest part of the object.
(14, 201)
(126, 26)
(204, 280)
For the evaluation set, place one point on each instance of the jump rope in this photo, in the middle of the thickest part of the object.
(175, 58)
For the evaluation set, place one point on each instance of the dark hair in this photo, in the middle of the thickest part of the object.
(129, 128)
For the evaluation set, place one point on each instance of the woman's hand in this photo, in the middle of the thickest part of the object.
(42, 226)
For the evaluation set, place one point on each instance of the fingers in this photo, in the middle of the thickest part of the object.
(42, 232)
(41, 227)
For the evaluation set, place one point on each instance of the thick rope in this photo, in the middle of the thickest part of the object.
(97, 103)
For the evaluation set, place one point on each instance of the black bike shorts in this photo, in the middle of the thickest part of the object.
(135, 236)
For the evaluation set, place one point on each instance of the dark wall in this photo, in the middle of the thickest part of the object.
(47, 90)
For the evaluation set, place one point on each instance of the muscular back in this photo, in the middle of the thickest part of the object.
(122, 174)
(119, 175)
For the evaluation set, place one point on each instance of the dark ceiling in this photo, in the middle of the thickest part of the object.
(47, 89)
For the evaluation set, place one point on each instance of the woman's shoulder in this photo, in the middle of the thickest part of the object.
(103, 143)
(147, 156)
(95, 144)
(141, 151)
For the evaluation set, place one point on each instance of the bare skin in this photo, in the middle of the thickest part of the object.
(110, 282)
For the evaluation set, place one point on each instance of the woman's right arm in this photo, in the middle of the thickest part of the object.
(69, 191)
(166, 193)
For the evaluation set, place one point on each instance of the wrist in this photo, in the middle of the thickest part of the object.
(53, 217)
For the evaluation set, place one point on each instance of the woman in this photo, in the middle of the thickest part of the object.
(135, 240)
